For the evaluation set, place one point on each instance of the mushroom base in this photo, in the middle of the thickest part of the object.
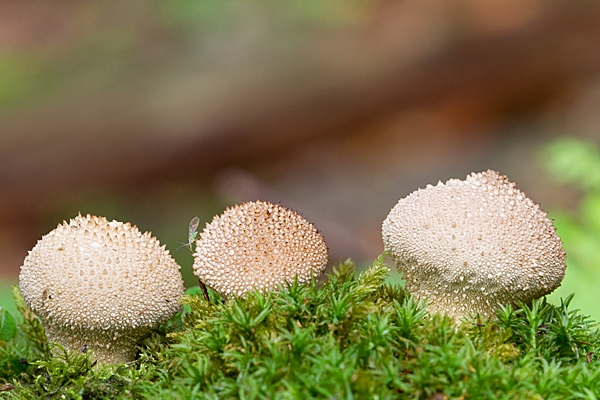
(469, 295)
(457, 308)
(459, 301)
(109, 347)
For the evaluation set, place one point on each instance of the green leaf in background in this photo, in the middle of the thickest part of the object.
(577, 162)
(6, 298)
(8, 326)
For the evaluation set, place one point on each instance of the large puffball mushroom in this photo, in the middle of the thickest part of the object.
(469, 246)
(258, 245)
(101, 285)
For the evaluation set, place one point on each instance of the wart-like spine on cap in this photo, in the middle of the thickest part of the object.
(258, 245)
(100, 285)
(469, 246)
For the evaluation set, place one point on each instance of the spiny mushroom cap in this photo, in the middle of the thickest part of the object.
(258, 245)
(100, 284)
(471, 245)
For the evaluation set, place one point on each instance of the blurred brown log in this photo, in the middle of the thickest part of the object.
(189, 113)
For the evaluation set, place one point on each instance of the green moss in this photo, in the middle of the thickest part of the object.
(351, 337)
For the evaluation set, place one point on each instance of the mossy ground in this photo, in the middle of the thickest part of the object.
(351, 337)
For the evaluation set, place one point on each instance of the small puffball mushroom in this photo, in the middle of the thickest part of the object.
(469, 246)
(100, 285)
(258, 245)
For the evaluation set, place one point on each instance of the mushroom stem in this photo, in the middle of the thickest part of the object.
(109, 347)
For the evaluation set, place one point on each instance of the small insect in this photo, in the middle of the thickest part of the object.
(192, 233)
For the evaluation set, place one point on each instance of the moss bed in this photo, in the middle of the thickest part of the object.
(351, 337)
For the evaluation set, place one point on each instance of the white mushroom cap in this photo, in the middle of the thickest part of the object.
(100, 284)
(258, 245)
(471, 245)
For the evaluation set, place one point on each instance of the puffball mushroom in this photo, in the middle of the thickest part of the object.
(101, 285)
(258, 245)
(470, 246)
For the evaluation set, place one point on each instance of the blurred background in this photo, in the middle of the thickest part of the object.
(154, 112)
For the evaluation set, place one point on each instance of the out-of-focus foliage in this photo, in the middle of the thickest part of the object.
(104, 52)
(8, 326)
(6, 299)
(213, 13)
(577, 163)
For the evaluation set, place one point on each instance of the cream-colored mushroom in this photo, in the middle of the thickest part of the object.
(101, 285)
(258, 245)
(469, 246)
